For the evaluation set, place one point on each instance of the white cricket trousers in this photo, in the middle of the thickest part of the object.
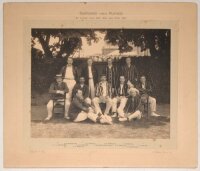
(50, 107)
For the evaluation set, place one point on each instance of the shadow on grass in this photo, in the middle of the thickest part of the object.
(142, 123)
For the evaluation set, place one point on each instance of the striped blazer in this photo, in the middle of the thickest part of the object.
(99, 89)
(114, 74)
(133, 104)
(130, 74)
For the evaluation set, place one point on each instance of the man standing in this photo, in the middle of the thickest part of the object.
(57, 90)
(130, 72)
(145, 89)
(85, 90)
(70, 75)
(91, 75)
(111, 74)
(132, 108)
(121, 96)
(79, 110)
(103, 95)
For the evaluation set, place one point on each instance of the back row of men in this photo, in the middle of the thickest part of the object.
(120, 90)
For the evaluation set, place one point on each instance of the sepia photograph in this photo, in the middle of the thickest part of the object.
(100, 83)
(94, 84)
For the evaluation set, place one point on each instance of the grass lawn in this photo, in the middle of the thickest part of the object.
(151, 128)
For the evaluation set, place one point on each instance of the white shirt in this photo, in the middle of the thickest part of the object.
(90, 72)
(69, 72)
(104, 89)
(109, 66)
(144, 86)
(121, 88)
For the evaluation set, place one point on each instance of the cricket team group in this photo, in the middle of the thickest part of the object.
(122, 91)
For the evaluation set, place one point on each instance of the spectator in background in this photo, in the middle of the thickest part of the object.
(91, 76)
(145, 89)
(70, 75)
(57, 91)
(130, 72)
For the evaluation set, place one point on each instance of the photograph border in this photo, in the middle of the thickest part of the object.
(39, 151)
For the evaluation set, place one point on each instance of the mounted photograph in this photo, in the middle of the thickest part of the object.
(90, 85)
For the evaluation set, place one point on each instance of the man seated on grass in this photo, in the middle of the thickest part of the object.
(145, 90)
(132, 108)
(79, 110)
(85, 89)
(57, 90)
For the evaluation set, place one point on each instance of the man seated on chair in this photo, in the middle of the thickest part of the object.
(121, 96)
(85, 89)
(103, 95)
(79, 110)
(57, 91)
(145, 89)
(132, 109)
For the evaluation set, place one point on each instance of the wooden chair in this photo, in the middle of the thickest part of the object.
(59, 105)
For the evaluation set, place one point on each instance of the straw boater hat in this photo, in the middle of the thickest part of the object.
(58, 76)
(133, 90)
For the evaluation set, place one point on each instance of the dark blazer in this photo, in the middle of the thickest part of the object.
(84, 89)
(77, 105)
(132, 105)
(114, 79)
(85, 74)
(124, 90)
(147, 90)
(130, 73)
(54, 87)
(75, 72)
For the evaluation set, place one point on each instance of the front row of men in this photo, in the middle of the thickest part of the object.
(126, 102)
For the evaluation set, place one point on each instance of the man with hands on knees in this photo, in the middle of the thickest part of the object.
(57, 90)
(103, 95)
(121, 96)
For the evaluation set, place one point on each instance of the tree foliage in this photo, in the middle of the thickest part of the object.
(69, 40)
(158, 41)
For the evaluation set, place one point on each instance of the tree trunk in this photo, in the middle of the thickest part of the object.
(45, 46)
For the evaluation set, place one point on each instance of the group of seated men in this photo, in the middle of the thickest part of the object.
(119, 89)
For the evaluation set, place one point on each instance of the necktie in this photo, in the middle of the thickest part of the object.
(121, 88)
